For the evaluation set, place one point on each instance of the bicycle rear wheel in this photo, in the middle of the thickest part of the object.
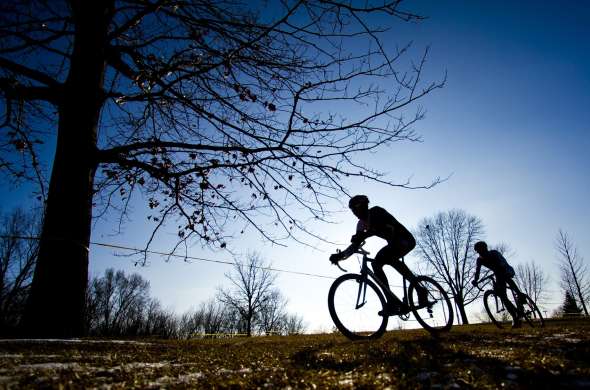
(495, 309)
(355, 306)
(436, 317)
(532, 314)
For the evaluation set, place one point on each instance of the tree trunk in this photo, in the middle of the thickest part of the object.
(577, 286)
(56, 304)
(581, 296)
(249, 326)
(461, 307)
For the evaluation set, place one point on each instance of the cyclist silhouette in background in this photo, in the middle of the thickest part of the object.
(376, 221)
(503, 272)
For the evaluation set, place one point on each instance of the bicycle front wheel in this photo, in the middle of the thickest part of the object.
(495, 308)
(532, 314)
(437, 315)
(354, 307)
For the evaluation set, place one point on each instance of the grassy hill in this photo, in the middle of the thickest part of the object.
(472, 356)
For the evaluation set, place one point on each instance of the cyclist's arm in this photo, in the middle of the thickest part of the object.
(339, 256)
(477, 270)
(357, 238)
(361, 233)
(349, 251)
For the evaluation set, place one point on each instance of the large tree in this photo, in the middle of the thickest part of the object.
(445, 244)
(221, 116)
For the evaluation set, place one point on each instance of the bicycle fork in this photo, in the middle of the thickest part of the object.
(499, 307)
(362, 293)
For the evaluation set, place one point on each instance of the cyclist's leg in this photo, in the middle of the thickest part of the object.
(395, 252)
(500, 288)
(384, 257)
(520, 297)
(521, 300)
(380, 260)
(398, 250)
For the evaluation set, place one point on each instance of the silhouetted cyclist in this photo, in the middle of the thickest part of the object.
(503, 272)
(376, 221)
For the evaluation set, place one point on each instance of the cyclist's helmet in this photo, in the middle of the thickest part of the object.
(358, 200)
(480, 246)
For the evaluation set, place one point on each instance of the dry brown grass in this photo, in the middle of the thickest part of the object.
(474, 356)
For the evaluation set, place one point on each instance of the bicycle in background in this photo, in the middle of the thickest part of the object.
(496, 307)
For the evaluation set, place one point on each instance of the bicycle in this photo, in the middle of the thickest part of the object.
(495, 306)
(358, 307)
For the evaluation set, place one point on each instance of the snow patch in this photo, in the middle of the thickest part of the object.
(181, 379)
(146, 365)
(226, 371)
(72, 341)
(50, 366)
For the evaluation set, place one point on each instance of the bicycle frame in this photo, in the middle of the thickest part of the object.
(365, 273)
(490, 279)
(501, 306)
(363, 300)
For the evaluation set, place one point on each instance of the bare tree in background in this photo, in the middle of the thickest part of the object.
(294, 324)
(251, 288)
(17, 261)
(157, 321)
(121, 305)
(574, 272)
(119, 301)
(532, 280)
(211, 318)
(219, 116)
(215, 318)
(445, 245)
(271, 318)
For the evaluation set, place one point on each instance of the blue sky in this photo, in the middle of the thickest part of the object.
(511, 128)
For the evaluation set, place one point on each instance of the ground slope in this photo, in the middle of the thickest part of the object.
(477, 356)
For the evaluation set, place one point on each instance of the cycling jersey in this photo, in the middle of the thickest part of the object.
(381, 224)
(496, 263)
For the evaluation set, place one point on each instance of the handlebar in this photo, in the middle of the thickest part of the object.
(342, 269)
(358, 250)
(479, 282)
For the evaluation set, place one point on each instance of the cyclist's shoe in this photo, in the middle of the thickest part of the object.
(423, 297)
